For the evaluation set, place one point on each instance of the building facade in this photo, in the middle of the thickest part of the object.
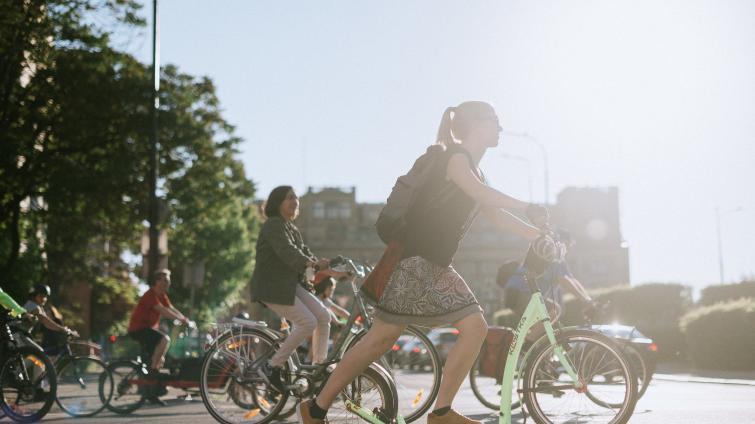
(333, 223)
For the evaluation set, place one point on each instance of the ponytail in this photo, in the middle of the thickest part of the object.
(457, 121)
(445, 136)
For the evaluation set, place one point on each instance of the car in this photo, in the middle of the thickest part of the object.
(396, 354)
(444, 340)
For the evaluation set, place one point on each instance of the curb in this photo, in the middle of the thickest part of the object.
(695, 379)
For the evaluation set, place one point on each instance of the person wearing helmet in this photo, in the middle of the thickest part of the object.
(36, 306)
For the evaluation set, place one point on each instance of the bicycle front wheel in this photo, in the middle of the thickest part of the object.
(552, 397)
(84, 386)
(28, 382)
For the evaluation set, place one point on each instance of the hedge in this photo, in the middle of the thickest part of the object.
(726, 292)
(721, 336)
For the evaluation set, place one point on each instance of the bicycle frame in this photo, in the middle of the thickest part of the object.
(535, 312)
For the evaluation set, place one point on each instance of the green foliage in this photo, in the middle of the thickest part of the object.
(113, 299)
(75, 123)
(213, 217)
(721, 336)
(726, 292)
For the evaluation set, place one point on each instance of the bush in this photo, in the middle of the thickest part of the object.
(726, 292)
(721, 336)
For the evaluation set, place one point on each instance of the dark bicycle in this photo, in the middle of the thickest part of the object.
(85, 385)
(28, 381)
(233, 390)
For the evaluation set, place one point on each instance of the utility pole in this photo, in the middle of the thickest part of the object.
(153, 161)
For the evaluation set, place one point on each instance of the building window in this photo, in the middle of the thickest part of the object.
(345, 210)
(318, 210)
(331, 212)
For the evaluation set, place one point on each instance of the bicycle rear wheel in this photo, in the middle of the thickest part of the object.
(415, 366)
(488, 390)
(550, 394)
(84, 386)
(28, 383)
(233, 390)
(640, 368)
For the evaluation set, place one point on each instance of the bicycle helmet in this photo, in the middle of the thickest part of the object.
(42, 289)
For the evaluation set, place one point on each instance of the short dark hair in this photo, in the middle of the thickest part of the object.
(274, 200)
(326, 283)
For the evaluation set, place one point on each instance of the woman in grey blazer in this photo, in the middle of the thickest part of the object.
(279, 277)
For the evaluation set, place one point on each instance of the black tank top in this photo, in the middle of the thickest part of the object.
(441, 215)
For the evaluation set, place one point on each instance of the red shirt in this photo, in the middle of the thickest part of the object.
(145, 315)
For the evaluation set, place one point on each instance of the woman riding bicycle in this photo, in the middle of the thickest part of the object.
(279, 282)
(424, 289)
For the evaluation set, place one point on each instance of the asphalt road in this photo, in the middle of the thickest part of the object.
(667, 401)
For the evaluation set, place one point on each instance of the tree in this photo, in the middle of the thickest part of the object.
(74, 158)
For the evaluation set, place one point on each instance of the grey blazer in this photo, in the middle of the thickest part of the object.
(280, 262)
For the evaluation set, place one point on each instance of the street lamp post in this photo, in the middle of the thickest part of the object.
(154, 232)
(720, 243)
(544, 152)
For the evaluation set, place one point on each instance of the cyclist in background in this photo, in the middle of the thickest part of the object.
(36, 306)
(557, 277)
(145, 321)
(325, 285)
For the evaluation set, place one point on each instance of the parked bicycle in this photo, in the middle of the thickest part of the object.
(240, 350)
(28, 382)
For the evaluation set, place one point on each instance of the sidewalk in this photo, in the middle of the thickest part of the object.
(685, 372)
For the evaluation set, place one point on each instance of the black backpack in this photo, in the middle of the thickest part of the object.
(391, 223)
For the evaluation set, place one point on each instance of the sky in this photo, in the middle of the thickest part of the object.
(656, 98)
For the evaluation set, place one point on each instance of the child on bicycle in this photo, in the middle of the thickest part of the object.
(325, 285)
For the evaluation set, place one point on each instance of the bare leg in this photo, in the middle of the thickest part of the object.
(158, 356)
(472, 332)
(375, 343)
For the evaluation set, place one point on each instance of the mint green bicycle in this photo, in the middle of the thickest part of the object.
(568, 375)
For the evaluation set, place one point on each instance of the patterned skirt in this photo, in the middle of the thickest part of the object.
(422, 293)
